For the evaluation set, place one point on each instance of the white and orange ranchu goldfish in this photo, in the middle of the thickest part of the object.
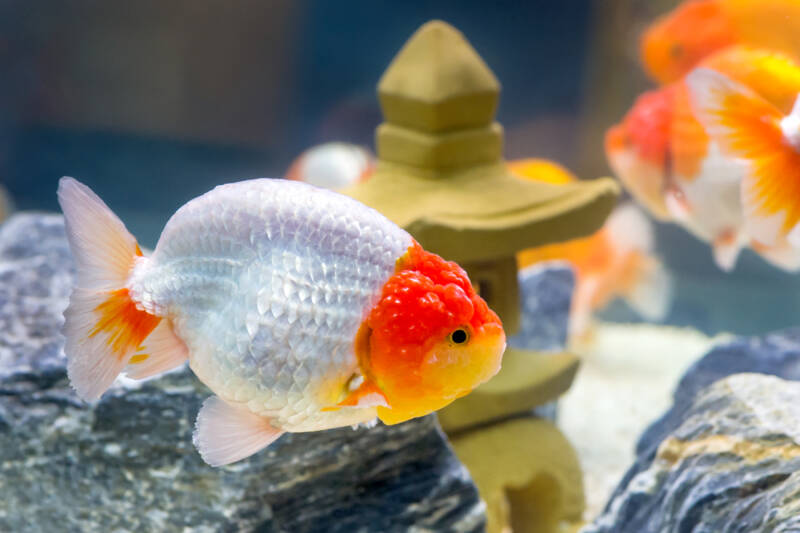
(616, 261)
(300, 308)
(671, 163)
(333, 165)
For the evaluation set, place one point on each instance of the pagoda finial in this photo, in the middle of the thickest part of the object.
(439, 100)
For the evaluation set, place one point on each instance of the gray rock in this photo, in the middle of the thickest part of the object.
(731, 465)
(776, 354)
(36, 273)
(546, 296)
(127, 463)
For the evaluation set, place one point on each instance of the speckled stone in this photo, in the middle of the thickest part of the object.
(776, 354)
(127, 463)
(545, 297)
(731, 465)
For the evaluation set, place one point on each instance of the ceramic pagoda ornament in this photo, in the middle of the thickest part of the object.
(441, 175)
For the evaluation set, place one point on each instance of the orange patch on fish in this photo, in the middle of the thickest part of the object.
(126, 325)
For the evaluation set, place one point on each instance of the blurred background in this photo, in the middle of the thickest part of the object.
(151, 103)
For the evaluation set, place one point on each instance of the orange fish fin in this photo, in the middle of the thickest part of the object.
(162, 351)
(103, 326)
(748, 127)
(366, 395)
(225, 433)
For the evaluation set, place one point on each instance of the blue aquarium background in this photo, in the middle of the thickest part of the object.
(155, 103)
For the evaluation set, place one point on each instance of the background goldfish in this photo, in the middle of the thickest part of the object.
(301, 309)
(333, 165)
(615, 262)
(676, 43)
(666, 159)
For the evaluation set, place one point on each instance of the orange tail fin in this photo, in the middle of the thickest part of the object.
(746, 126)
(103, 326)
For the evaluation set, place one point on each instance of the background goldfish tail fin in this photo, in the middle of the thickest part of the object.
(630, 228)
(651, 296)
(103, 326)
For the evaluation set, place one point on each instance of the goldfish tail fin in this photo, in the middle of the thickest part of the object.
(652, 295)
(225, 434)
(748, 127)
(103, 326)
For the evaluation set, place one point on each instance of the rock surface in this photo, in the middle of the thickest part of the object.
(546, 295)
(127, 463)
(777, 354)
(731, 464)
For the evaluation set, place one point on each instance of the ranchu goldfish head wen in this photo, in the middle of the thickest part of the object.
(638, 149)
(676, 42)
(430, 339)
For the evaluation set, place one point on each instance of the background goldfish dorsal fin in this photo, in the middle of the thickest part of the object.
(225, 433)
(161, 351)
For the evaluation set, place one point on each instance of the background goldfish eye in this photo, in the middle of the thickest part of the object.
(676, 51)
(459, 336)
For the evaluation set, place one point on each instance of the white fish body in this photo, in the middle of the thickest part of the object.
(256, 282)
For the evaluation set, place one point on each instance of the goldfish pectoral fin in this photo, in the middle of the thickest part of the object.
(366, 395)
(161, 351)
(225, 433)
(726, 251)
(677, 205)
(651, 296)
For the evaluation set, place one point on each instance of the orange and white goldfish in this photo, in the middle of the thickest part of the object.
(665, 157)
(676, 42)
(333, 166)
(762, 130)
(615, 262)
(300, 308)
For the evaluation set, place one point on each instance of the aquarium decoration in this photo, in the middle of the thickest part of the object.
(440, 175)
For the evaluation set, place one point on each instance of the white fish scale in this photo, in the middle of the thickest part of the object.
(267, 282)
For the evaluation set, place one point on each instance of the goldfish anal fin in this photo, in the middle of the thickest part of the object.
(748, 127)
(164, 351)
(225, 433)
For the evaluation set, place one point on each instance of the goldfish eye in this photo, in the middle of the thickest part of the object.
(676, 51)
(459, 336)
